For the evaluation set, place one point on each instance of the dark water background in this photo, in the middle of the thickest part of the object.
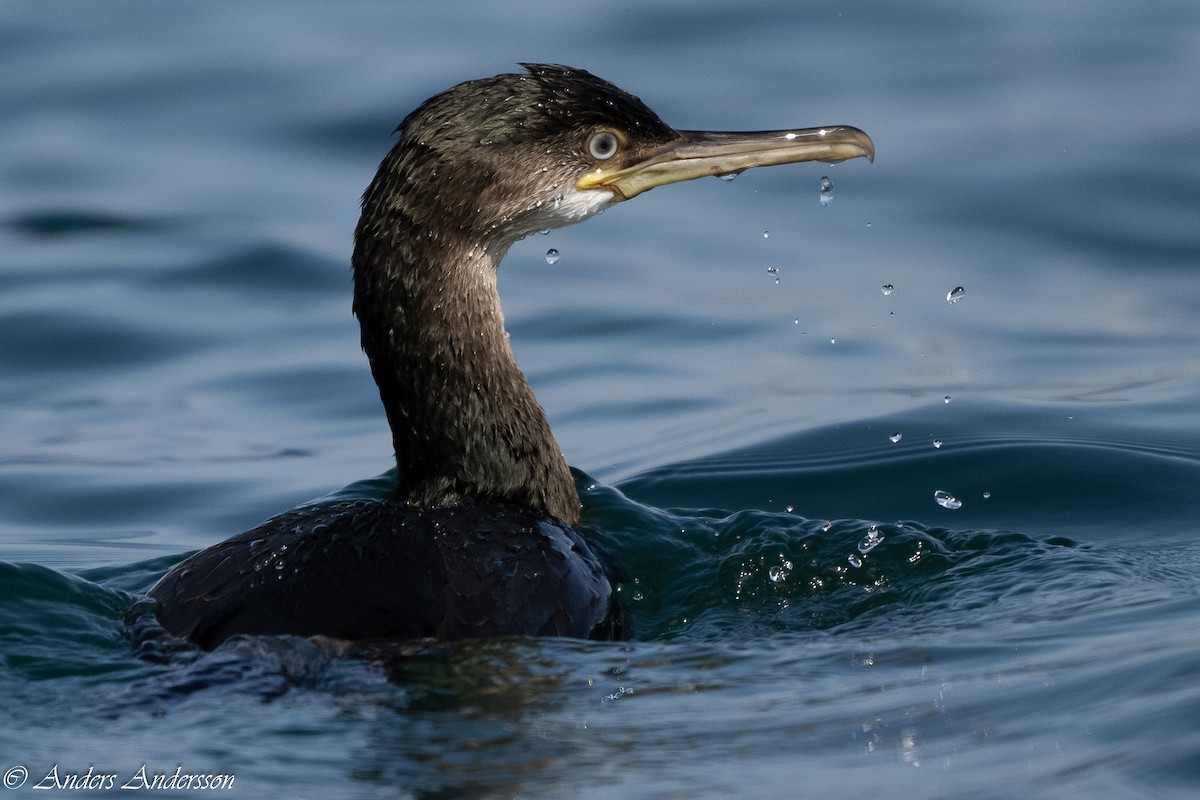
(178, 361)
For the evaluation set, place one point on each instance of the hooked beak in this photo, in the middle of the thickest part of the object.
(699, 154)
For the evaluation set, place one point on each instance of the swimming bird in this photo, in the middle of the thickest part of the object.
(479, 538)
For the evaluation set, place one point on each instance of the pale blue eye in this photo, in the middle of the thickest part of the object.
(603, 145)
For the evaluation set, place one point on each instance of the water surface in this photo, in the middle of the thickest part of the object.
(178, 362)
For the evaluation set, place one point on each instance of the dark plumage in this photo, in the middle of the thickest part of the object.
(477, 540)
(368, 569)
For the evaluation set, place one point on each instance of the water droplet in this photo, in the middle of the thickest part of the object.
(544, 232)
(766, 234)
(790, 509)
(887, 288)
(832, 340)
(855, 560)
(779, 572)
(619, 693)
(868, 224)
(946, 399)
(937, 444)
(946, 500)
(955, 294)
(870, 541)
(895, 437)
(986, 495)
(826, 190)
(827, 527)
(728, 176)
(551, 256)
(773, 270)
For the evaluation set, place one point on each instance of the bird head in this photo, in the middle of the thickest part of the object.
(510, 155)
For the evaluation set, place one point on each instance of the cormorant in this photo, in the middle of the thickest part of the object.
(478, 539)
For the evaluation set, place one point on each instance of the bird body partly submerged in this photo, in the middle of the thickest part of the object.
(478, 539)
(370, 569)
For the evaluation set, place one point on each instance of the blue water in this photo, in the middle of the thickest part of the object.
(178, 362)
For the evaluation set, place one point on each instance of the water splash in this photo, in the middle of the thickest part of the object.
(947, 500)
(617, 695)
(870, 541)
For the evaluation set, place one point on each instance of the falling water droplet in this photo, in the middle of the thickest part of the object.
(774, 271)
(946, 399)
(868, 224)
(887, 288)
(955, 294)
(826, 190)
(937, 444)
(986, 495)
(790, 509)
(551, 256)
(946, 500)
(766, 234)
(832, 340)
(895, 437)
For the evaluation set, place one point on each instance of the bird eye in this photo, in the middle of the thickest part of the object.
(603, 145)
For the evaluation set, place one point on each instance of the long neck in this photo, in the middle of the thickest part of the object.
(465, 423)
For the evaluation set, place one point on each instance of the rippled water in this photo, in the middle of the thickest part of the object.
(178, 362)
